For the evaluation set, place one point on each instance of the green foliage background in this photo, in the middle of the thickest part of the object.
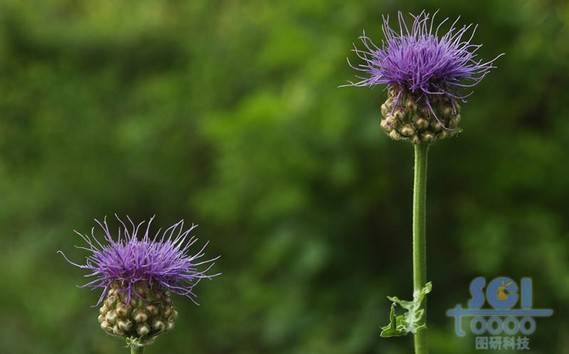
(228, 114)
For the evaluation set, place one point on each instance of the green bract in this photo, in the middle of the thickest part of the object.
(412, 319)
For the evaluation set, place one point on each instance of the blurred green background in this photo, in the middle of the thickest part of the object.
(228, 114)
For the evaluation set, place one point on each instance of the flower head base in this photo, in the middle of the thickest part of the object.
(137, 275)
(426, 75)
(139, 319)
(404, 118)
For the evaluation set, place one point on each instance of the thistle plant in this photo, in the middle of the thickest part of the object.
(427, 75)
(137, 273)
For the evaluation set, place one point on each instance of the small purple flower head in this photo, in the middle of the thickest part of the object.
(161, 260)
(418, 60)
(426, 75)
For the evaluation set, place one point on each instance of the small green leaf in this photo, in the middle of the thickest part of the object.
(411, 320)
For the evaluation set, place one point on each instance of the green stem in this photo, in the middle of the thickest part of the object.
(419, 237)
(136, 349)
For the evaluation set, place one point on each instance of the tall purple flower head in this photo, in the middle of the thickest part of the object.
(137, 271)
(427, 74)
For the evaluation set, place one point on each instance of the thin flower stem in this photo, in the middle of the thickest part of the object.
(136, 349)
(419, 237)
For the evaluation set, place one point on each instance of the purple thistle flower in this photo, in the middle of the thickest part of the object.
(161, 260)
(416, 60)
